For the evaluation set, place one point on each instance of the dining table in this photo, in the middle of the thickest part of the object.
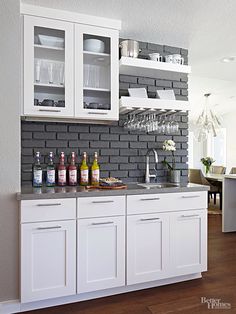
(215, 177)
(228, 187)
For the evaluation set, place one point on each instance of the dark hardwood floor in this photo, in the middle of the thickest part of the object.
(185, 298)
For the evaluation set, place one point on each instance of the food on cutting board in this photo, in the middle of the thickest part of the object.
(110, 181)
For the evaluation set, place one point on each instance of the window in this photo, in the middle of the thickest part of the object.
(216, 147)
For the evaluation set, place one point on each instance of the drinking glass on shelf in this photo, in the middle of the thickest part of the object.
(62, 74)
(96, 76)
(37, 70)
(87, 75)
(50, 72)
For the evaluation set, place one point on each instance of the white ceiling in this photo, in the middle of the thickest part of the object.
(205, 27)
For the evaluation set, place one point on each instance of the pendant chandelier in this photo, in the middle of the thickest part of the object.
(207, 122)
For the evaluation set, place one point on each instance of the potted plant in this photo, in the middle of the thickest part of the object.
(207, 162)
(174, 175)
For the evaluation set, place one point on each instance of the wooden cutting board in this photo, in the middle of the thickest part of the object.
(102, 187)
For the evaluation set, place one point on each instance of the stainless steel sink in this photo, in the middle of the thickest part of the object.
(158, 185)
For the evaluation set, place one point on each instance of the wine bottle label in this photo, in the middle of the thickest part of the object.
(62, 176)
(38, 177)
(51, 176)
(84, 176)
(95, 175)
(73, 176)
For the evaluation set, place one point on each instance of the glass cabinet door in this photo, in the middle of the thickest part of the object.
(48, 67)
(96, 73)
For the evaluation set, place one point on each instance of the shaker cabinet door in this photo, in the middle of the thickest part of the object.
(96, 73)
(48, 260)
(101, 253)
(188, 242)
(147, 247)
(48, 68)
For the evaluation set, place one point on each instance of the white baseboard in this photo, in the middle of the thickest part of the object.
(14, 306)
(9, 307)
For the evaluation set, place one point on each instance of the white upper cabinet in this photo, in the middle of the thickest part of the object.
(59, 66)
(48, 68)
(96, 73)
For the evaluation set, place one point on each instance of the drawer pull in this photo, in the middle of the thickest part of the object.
(101, 113)
(149, 219)
(102, 223)
(48, 228)
(189, 216)
(191, 196)
(49, 110)
(102, 202)
(150, 199)
(52, 204)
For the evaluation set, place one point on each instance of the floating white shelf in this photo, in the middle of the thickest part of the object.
(49, 85)
(97, 89)
(48, 47)
(128, 104)
(149, 68)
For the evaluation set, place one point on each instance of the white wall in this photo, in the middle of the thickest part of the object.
(197, 150)
(229, 122)
(9, 146)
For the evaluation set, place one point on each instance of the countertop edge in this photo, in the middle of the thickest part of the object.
(20, 196)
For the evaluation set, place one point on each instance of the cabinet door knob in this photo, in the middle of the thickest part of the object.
(49, 228)
(102, 223)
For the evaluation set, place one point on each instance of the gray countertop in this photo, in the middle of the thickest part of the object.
(30, 193)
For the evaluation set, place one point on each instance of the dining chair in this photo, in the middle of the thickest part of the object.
(196, 176)
(217, 169)
(233, 170)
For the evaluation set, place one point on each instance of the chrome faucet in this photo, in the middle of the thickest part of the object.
(148, 176)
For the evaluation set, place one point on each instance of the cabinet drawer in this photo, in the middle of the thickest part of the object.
(88, 207)
(151, 203)
(48, 210)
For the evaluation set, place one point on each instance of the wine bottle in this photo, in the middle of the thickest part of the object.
(72, 169)
(50, 178)
(95, 171)
(84, 177)
(62, 170)
(37, 171)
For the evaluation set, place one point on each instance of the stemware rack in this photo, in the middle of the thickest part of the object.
(137, 105)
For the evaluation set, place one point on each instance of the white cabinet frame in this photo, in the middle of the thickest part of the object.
(188, 242)
(80, 112)
(147, 247)
(45, 274)
(100, 267)
(28, 106)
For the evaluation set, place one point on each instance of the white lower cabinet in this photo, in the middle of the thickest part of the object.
(166, 236)
(188, 242)
(48, 260)
(101, 253)
(147, 247)
(48, 249)
(158, 238)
